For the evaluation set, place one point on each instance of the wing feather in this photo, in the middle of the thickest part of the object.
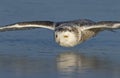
(28, 25)
(110, 25)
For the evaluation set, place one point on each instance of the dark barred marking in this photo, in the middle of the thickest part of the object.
(64, 29)
(46, 23)
(80, 22)
(103, 22)
(109, 23)
(15, 28)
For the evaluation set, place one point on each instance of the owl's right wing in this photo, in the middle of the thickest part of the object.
(28, 25)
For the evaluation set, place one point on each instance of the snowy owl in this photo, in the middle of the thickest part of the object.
(67, 33)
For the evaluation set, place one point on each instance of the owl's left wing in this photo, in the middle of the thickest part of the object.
(103, 25)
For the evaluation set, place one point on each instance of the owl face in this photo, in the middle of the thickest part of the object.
(66, 37)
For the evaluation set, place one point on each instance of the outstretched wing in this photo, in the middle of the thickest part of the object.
(103, 25)
(28, 25)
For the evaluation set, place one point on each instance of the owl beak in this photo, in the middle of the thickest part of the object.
(65, 36)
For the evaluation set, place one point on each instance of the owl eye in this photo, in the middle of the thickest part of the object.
(70, 30)
(56, 36)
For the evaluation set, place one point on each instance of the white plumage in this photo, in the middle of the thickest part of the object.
(68, 33)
